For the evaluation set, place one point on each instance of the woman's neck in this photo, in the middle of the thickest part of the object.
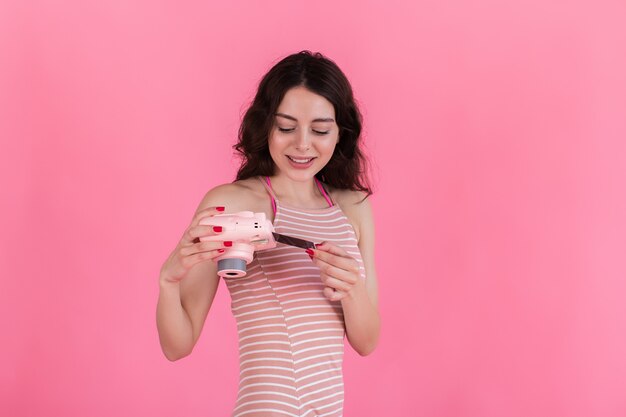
(299, 194)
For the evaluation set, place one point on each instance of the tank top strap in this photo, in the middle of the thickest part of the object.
(268, 186)
(324, 193)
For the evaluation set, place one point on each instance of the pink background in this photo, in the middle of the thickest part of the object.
(498, 132)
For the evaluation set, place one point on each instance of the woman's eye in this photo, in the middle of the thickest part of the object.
(286, 130)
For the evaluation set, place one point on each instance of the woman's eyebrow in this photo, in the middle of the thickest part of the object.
(320, 119)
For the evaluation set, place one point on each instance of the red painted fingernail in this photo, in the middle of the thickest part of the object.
(217, 228)
(310, 252)
(221, 250)
(228, 243)
(220, 208)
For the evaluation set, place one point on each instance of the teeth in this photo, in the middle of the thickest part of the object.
(300, 161)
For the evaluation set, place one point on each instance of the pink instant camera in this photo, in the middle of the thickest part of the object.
(248, 231)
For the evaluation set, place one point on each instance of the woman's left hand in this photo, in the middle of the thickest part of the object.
(339, 271)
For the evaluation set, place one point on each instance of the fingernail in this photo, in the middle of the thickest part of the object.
(228, 243)
(221, 250)
(220, 208)
(310, 252)
(217, 228)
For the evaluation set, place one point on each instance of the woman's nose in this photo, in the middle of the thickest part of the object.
(303, 141)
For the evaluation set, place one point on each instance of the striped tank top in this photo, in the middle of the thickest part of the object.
(291, 337)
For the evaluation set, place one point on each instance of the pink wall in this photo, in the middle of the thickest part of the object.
(498, 131)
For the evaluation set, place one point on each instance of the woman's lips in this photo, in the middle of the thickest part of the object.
(300, 162)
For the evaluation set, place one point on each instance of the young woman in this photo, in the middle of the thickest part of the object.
(302, 167)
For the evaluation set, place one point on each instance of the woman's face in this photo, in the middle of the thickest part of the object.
(304, 134)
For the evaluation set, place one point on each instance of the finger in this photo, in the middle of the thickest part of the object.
(333, 294)
(329, 293)
(189, 261)
(203, 247)
(329, 271)
(346, 263)
(332, 248)
(335, 283)
(339, 295)
(194, 233)
(207, 212)
(205, 230)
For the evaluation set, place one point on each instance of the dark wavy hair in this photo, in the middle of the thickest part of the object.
(347, 168)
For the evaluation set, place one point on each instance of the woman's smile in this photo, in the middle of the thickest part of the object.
(300, 163)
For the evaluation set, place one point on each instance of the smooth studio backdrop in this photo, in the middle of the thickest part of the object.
(498, 135)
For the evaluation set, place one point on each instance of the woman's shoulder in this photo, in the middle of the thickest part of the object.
(349, 199)
(235, 196)
(356, 206)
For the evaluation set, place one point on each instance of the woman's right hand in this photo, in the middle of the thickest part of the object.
(190, 250)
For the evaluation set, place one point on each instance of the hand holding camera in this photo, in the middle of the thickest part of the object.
(247, 232)
(228, 239)
(191, 249)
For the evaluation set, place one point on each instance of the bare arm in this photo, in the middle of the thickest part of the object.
(361, 307)
(182, 309)
(340, 272)
(188, 282)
